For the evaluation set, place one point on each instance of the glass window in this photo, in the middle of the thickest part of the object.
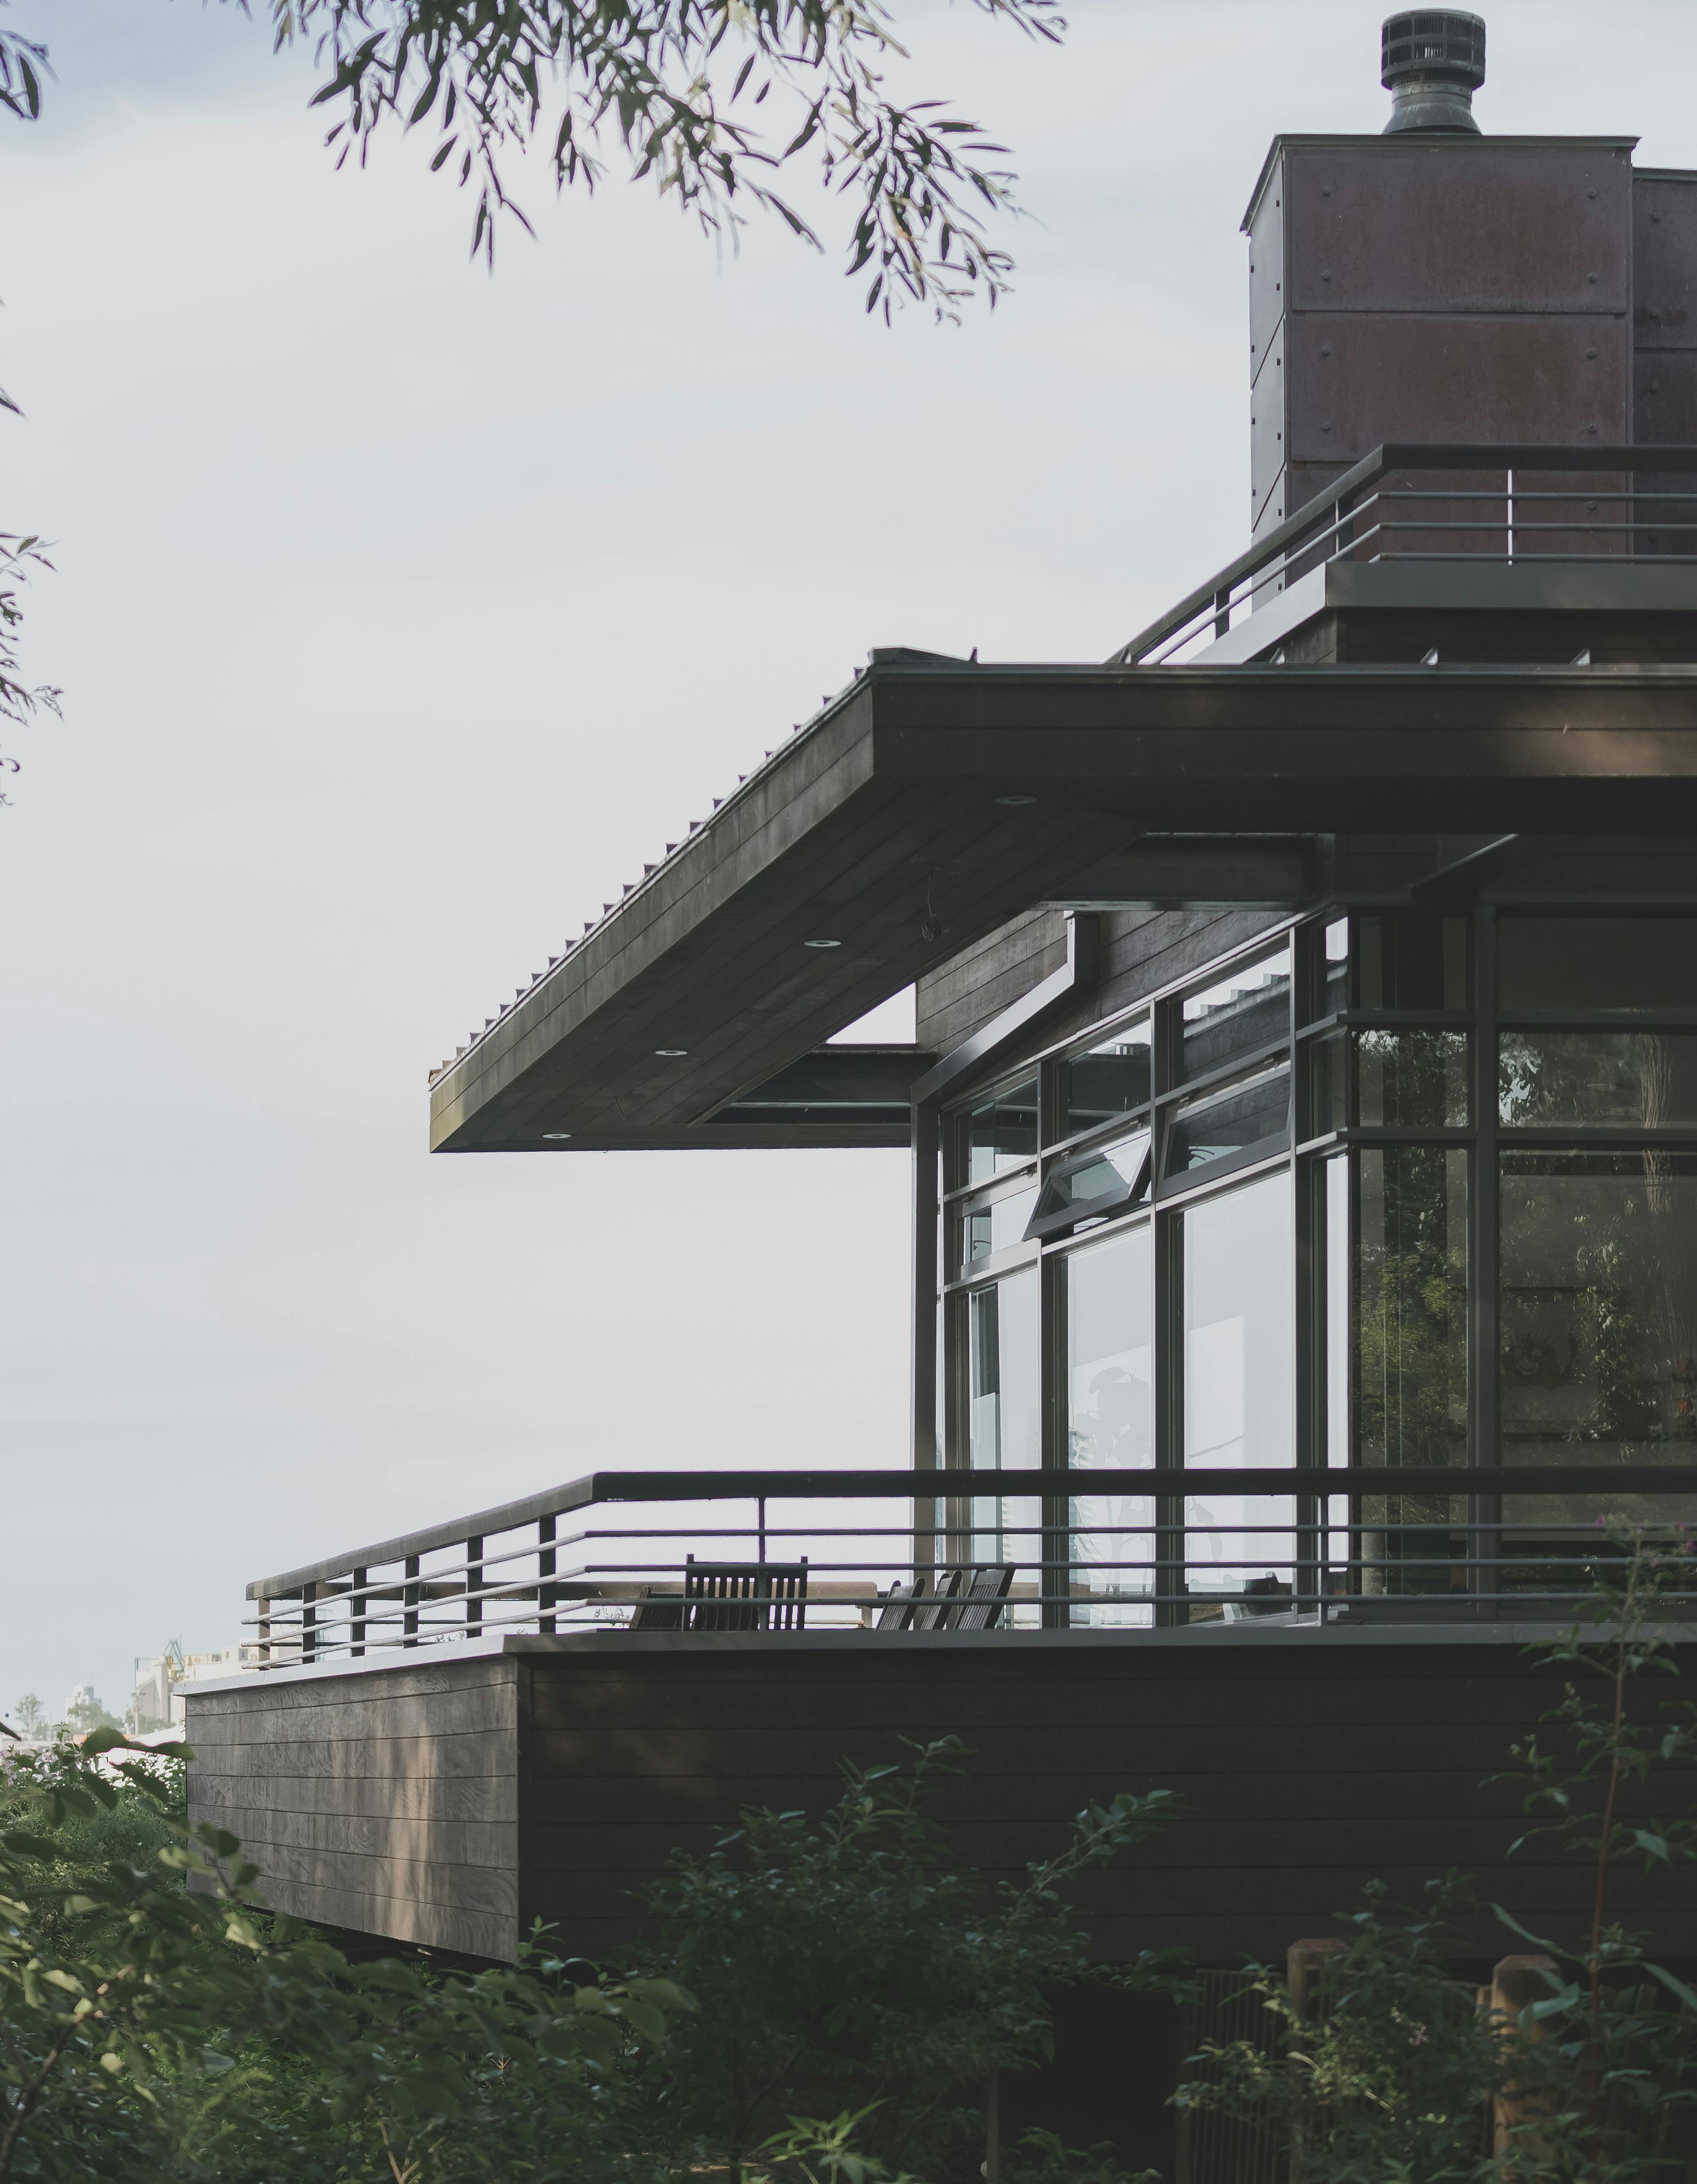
(1111, 1080)
(1411, 1306)
(1110, 1420)
(1003, 1418)
(1599, 1336)
(1242, 1116)
(1104, 1181)
(1642, 1080)
(1608, 964)
(1334, 968)
(1239, 1343)
(1403, 1079)
(1412, 960)
(1001, 1132)
(996, 1227)
(1241, 1013)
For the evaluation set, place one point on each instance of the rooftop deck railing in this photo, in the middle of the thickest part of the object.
(1049, 1549)
(1450, 503)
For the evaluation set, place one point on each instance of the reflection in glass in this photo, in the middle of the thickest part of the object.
(1411, 1356)
(1607, 964)
(1001, 1132)
(1004, 1396)
(1335, 1215)
(1412, 960)
(1335, 968)
(1402, 1079)
(1634, 1079)
(996, 1227)
(1238, 1339)
(1110, 1418)
(1244, 1012)
(1111, 1080)
(1599, 1307)
(1242, 1116)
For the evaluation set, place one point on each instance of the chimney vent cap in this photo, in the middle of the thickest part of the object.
(1432, 61)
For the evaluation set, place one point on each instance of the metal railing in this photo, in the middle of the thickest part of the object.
(1450, 503)
(1125, 1550)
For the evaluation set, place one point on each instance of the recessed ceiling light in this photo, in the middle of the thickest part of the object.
(1014, 803)
(670, 1053)
(556, 1136)
(821, 944)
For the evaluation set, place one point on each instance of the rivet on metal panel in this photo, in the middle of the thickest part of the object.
(1326, 273)
(1592, 278)
(1325, 425)
(1590, 193)
(1591, 355)
(1326, 189)
(1325, 348)
(1655, 219)
(1592, 430)
(1654, 387)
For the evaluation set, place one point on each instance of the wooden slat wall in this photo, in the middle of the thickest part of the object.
(386, 1803)
(1143, 950)
(1305, 1771)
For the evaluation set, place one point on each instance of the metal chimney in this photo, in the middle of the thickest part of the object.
(1432, 60)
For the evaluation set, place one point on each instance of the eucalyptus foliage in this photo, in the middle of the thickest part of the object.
(679, 86)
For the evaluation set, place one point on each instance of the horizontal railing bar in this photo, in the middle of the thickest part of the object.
(1302, 528)
(606, 1487)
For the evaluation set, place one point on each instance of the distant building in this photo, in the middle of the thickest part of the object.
(157, 1701)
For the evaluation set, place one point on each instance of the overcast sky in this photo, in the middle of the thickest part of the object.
(401, 613)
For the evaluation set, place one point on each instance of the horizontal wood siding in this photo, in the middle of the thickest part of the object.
(1142, 951)
(450, 1805)
(385, 1802)
(1303, 1773)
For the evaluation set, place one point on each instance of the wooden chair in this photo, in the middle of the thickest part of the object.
(933, 1614)
(900, 1606)
(980, 1607)
(745, 1595)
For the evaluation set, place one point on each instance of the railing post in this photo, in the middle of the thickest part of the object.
(545, 1568)
(409, 1603)
(264, 1632)
(760, 1539)
(309, 1621)
(474, 1588)
(1222, 611)
(356, 1616)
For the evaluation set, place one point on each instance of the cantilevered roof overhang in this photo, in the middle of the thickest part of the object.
(935, 799)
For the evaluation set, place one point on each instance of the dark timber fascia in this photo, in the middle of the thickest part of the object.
(881, 827)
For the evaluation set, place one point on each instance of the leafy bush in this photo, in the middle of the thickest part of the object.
(151, 2030)
(1389, 2069)
(850, 1962)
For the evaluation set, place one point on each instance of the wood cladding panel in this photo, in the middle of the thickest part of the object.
(385, 1802)
(1306, 1765)
(1303, 1773)
(1143, 950)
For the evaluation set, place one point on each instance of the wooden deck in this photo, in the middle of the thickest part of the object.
(452, 1799)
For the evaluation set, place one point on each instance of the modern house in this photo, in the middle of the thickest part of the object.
(1304, 1127)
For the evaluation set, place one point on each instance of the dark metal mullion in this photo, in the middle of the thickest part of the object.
(1167, 1357)
(1484, 1378)
(1307, 1270)
(1056, 1513)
